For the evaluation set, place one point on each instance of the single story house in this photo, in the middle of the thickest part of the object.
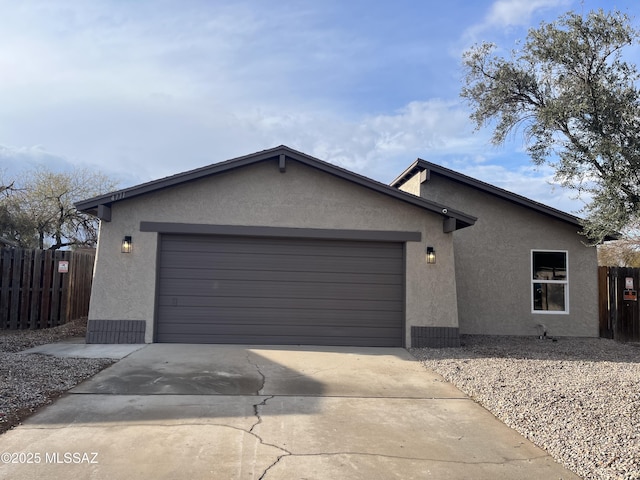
(278, 247)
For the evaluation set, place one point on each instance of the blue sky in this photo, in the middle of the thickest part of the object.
(144, 89)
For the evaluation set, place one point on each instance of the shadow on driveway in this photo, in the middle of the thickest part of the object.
(231, 412)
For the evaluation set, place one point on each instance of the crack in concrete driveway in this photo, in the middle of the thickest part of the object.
(273, 413)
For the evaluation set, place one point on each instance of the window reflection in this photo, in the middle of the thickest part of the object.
(548, 296)
(549, 281)
(549, 266)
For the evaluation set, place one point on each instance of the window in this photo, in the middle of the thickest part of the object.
(549, 281)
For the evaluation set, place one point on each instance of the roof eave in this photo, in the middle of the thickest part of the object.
(90, 205)
(420, 164)
(463, 219)
(409, 172)
(93, 205)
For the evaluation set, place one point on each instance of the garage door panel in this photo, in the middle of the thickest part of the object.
(275, 303)
(283, 330)
(216, 315)
(249, 324)
(218, 289)
(292, 263)
(248, 339)
(281, 276)
(283, 290)
(280, 247)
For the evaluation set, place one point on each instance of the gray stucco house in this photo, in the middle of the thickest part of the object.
(273, 248)
(523, 268)
(279, 247)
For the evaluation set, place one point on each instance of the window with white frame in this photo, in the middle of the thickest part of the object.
(549, 281)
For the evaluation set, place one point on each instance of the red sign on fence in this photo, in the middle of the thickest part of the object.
(63, 266)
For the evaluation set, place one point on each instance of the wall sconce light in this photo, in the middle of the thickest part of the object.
(126, 244)
(431, 255)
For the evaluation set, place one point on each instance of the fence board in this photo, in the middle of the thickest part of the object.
(36, 297)
(25, 289)
(80, 284)
(7, 265)
(15, 290)
(56, 291)
(74, 281)
(65, 291)
(45, 298)
(34, 294)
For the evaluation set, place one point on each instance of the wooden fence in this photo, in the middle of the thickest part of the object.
(37, 291)
(619, 306)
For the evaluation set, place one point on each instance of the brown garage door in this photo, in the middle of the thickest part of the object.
(254, 290)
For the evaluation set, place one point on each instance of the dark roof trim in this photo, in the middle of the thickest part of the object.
(422, 165)
(279, 153)
(251, 231)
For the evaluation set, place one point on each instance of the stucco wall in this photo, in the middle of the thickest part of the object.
(412, 186)
(493, 260)
(259, 195)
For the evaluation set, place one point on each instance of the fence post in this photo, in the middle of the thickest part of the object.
(5, 263)
(71, 286)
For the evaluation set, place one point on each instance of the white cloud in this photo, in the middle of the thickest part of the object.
(156, 88)
(15, 161)
(382, 146)
(505, 14)
(379, 146)
(182, 135)
(19, 158)
(231, 51)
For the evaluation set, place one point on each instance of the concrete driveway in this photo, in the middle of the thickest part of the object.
(171, 411)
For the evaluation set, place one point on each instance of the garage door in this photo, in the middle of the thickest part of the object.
(254, 290)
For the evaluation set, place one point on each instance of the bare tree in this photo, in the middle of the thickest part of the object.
(624, 252)
(40, 213)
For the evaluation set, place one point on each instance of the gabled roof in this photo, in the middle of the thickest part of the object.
(101, 205)
(422, 165)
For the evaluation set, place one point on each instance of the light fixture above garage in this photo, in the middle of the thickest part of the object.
(431, 255)
(126, 244)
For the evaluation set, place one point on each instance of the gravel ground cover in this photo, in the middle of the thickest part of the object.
(579, 399)
(29, 381)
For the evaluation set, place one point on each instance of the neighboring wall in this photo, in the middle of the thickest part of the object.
(493, 264)
(259, 195)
